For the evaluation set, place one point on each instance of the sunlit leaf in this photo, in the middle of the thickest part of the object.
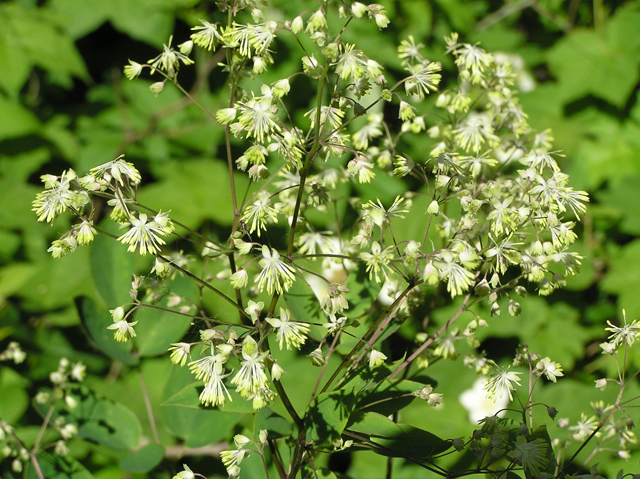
(144, 459)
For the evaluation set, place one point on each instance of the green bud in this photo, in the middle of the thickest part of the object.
(514, 308)
(157, 87)
(317, 358)
(297, 25)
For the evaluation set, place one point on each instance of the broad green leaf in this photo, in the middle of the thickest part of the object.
(15, 65)
(327, 416)
(387, 397)
(602, 64)
(58, 467)
(9, 244)
(395, 439)
(188, 396)
(302, 303)
(362, 292)
(20, 167)
(144, 459)
(38, 36)
(622, 279)
(624, 197)
(273, 423)
(14, 399)
(193, 190)
(197, 426)
(111, 266)
(95, 319)
(104, 421)
(13, 277)
(545, 329)
(57, 282)
(157, 330)
(16, 120)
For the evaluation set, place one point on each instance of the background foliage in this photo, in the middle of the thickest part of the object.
(64, 103)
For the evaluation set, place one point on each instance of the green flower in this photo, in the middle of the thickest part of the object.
(291, 333)
(502, 381)
(276, 275)
(377, 261)
(206, 36)
(143, 235)
(132, 70)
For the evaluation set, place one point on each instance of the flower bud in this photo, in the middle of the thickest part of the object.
(297, 25)
(376, 359)
(157, 87)
(514, 308)
(317, 358)
(434, 208)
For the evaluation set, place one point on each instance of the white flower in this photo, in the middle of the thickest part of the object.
(479, 404)
(143, 235)
(132, 70)
(289, 332)
(276, 275)
(214, 389)
(251, 380)
(601, 384)
(376, 358)
(180, 353)
(186, 474)
(119, 169)
(501, 382)
(253, 309)
(550, 369)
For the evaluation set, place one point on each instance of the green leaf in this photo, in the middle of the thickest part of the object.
(194, 191)
(16, 120)
(53, 466)
(144, 459)
(624, 198)
(13, 277)
(96, 320)
(395, 439)
(622, 279)
(197, 426)
(14, 399)
(37, 35)
(550, 468)
(322, 473)
(111, 266)
(302, 303)
(388, 397)
(327, 416)
(604, 65)
(188, 396)
(104, 421)
(157, 330)
(273, 423)
(545, 329)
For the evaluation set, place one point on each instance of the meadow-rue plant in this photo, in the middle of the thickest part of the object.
(484, 215)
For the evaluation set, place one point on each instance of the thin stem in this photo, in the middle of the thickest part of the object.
(147, 404)
(429, 341)
(205, 284)
(43, 428)
(367, 335)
